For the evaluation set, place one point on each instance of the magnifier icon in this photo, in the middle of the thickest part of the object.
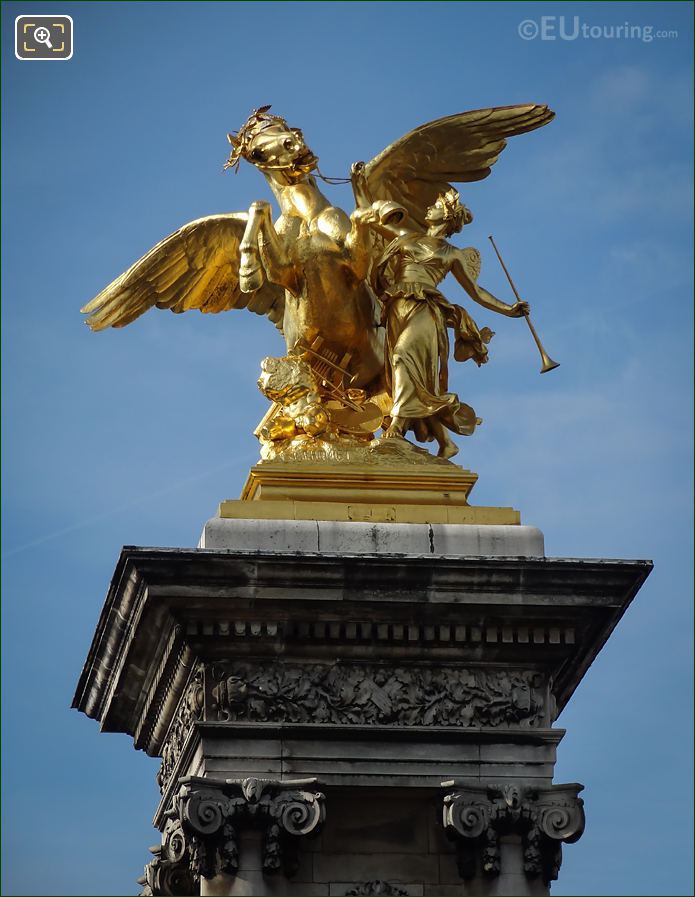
(43, 36)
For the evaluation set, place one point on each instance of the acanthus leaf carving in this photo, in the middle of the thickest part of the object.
(190, 710)
(376, 888)
(359, 694)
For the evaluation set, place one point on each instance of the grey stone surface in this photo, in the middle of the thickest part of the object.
(511, 879)
(438, 890)
(415, 759)
(448, 868)
(381, 673)
(251, 880)
(393, 867)
(248, 883)
(390, 826)
(251, 857)
(487, 541)
(334, 537)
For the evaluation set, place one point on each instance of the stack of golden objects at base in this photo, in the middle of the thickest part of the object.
(322, 460)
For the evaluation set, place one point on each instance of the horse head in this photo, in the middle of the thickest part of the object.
(271, 145)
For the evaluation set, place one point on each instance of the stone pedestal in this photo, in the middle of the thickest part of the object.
(390, 481)
(353, 708)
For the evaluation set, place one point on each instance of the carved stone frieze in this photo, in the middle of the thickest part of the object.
(189, 710)
(207, 816)
(476, 816)
(345, 694)
(376, 888)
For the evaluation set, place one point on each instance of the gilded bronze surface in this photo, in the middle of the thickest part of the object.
(355, 296)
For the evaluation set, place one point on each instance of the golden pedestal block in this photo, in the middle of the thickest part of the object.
(392, 481)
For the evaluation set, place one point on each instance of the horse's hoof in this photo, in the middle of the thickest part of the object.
(251, 273)
(250, 281)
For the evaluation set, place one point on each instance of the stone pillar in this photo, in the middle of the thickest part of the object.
(377, 659)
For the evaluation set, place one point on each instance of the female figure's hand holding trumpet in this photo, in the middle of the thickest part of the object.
(548, 363)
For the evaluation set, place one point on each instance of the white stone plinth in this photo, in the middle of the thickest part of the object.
(337, 537)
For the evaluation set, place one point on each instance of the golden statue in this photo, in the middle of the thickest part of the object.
(355, 296)
(417, 316)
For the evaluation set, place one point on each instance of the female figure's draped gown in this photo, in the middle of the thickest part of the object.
(417, 343)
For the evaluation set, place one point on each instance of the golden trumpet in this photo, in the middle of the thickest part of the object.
(548, 363)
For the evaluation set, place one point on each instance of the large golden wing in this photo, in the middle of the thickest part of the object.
(195, 267)
(414, 170)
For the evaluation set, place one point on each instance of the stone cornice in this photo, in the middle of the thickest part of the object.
(542, 614)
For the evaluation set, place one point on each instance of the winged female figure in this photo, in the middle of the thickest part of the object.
(417, 315)
(312, 270)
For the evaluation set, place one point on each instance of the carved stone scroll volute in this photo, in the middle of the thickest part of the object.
(167, 877)
(201, 834)
(291, 815)
(475, 817)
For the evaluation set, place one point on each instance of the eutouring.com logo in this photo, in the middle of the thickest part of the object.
(571, 28)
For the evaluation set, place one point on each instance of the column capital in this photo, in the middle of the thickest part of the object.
(202, 827)
(166, 877)
(474, 816)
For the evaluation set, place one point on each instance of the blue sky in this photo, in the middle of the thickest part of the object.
(134, 436)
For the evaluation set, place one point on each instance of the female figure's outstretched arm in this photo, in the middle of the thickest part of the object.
(459, 269)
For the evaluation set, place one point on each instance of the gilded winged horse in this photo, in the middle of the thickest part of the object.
(308, 271)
